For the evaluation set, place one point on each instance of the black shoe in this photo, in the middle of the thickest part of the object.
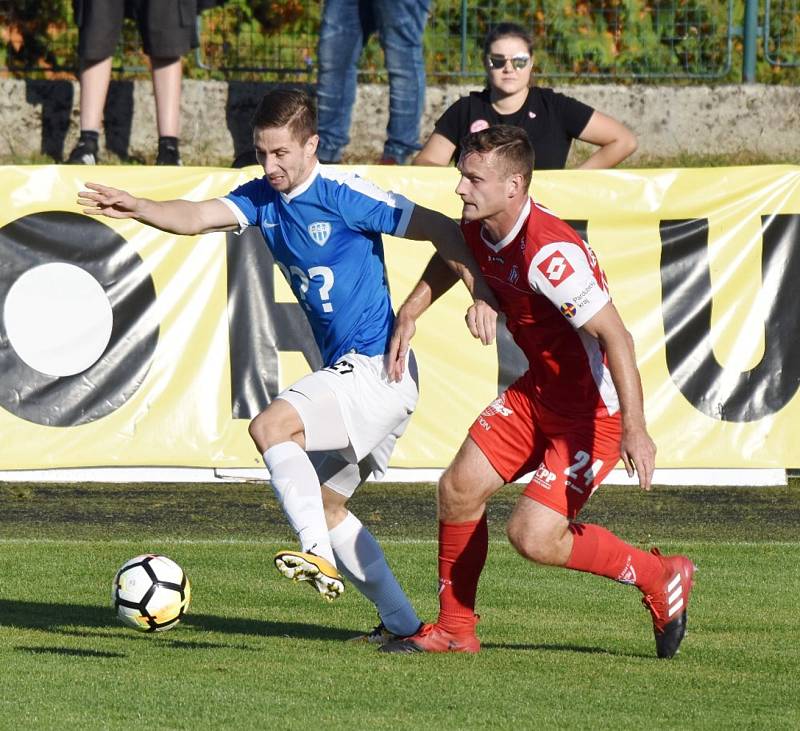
(245, 159)
(84, 153)
(168, 153)
(380, 636)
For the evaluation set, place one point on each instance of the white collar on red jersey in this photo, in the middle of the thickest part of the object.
(512, 234)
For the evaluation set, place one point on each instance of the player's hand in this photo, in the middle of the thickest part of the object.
(102, 200)
(404, 329)
(639, 453)
(481, 320)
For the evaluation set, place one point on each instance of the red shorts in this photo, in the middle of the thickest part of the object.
(569, 457)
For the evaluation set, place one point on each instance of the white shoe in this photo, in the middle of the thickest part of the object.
(307, 566)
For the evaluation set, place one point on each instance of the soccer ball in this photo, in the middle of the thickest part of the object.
(150, 593)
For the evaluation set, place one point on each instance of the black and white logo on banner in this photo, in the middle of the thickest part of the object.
(77, 322)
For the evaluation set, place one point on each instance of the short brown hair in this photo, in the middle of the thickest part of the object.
(510, 144)
(507, 30)
(292, 108)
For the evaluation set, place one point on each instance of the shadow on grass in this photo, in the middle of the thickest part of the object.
(177, 642)
(265, 628)
(69, 651)
(54, 617)
(562, 648)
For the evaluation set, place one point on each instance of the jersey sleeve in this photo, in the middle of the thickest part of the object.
(246, 202)
(575, 115)
(562, 272)
(367, 208)
(450, 125)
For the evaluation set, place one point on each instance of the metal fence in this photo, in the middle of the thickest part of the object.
(782, 32)
(589, 39)
(595, 39)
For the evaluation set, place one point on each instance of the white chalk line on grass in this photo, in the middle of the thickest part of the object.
(384, 542)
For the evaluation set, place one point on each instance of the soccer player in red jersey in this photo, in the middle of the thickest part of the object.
(568, 419)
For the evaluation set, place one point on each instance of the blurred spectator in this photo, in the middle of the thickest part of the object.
(551, 120)
(346, 26)
(168, 29)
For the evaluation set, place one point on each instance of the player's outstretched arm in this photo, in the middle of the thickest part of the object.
(446, 236)
(174, 216)
(637, 448)
(437, 278)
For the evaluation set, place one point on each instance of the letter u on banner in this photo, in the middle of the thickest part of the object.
(686, 296)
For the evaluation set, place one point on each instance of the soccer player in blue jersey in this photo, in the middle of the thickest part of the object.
(323, 436)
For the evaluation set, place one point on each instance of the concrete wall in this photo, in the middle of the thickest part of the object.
(41, 117)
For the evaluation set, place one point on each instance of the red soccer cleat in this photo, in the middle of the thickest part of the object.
(432, 638)
(668, 605)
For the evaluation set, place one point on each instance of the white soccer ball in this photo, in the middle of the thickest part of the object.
(150, 593)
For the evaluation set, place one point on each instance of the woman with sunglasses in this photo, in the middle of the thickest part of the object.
(551, 120)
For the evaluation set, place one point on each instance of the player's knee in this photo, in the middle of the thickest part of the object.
(533, 542)
(334, 514)
(265, 432)
(335, 509)
(276, 424)
(257, 432)
(455, 497)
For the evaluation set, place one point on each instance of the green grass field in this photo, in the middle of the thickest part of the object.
(560, 649)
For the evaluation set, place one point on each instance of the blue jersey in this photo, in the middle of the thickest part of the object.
(325, 236)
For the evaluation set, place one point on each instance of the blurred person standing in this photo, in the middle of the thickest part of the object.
(551, 120)
(168, 30)
(346, 27)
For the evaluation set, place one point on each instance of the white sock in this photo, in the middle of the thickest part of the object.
(296, 486)
(361, 560)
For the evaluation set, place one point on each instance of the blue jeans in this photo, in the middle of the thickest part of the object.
(346, 26)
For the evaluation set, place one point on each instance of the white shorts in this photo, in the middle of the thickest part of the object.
(353, 416)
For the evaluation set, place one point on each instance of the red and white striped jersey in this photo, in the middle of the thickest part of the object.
(548, 283)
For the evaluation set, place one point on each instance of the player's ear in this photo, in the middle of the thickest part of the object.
(514, 184)
(310, 146)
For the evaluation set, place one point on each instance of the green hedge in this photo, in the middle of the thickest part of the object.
(276, 39)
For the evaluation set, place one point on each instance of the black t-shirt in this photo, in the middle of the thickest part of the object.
(551, 120)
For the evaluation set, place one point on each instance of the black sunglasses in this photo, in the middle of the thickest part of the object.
(496, 61)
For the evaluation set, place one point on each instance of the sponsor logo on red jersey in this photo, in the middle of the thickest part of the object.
(544, 476)
(556, 268)
(498, 406)
(628, 574)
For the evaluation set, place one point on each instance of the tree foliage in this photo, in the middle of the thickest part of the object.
(622, 39)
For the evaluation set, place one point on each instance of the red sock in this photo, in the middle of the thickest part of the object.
(462, 554)
(598, 551)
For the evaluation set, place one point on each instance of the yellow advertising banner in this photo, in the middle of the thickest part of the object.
(121, 345)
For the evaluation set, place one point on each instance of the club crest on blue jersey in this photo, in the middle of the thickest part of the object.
(568, 310)
(319, 231)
